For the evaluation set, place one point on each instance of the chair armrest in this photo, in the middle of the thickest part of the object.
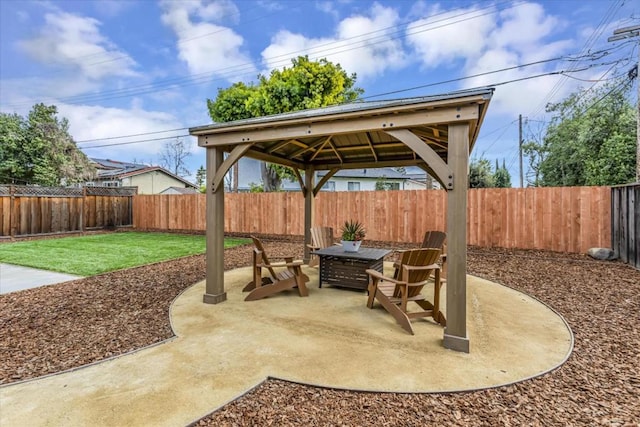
(281, 264)
(421, 267)
(283, 258)
(314, 247)
(375, 273)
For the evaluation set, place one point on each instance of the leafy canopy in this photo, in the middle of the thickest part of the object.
(38, 149)
(591, 140)
(481, 175)
(307, 84)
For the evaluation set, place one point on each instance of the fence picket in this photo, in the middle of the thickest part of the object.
(559, 219)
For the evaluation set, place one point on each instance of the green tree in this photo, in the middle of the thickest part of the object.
(307, 84)
(14, 157)
(39, 150)
(480, 175)
(201, 176)
(591, 140)
(502, 177)
(383, 185)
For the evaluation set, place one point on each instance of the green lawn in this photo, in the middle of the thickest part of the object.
(99, 253)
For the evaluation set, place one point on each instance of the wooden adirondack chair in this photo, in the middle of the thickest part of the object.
(290, 275)
(394, 294)
(321, 237)
(435, 239)
(432, 239)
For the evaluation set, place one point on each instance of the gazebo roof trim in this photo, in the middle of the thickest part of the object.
(356, 106)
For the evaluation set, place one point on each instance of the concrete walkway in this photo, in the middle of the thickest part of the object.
(329, 339)
(17, 278)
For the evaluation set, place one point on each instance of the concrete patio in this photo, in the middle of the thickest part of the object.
(328, 339)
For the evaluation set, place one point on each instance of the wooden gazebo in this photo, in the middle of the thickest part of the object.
(436, 133)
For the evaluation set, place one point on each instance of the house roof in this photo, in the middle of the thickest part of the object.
(180, 190)
(113, 169)
(152, 169)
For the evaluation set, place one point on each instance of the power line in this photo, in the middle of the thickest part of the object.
(133, 142)
(132, 135)
(236, 70)
(371, 96)
(549, 73)
(178, 42)
(588, 44)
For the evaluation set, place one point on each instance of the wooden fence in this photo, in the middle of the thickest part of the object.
(27, 211)
(625, 223)
(567, 219)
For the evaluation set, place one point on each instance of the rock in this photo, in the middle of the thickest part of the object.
(604, 254)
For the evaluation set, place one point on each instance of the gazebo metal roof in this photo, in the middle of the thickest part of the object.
(318, 138)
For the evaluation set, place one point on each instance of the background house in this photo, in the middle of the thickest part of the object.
(413, 178)
(369, 179)
(148, 179)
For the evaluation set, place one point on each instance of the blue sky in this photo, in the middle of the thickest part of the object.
(137, 73)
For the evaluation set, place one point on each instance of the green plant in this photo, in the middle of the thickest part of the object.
(353, 231)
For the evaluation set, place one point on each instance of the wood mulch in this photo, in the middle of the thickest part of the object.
(53, 328)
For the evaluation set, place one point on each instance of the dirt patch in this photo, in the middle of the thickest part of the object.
(53, 328)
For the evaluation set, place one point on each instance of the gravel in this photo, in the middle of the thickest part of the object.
(54, 328)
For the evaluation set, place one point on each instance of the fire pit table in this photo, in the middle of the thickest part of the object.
(348, 269)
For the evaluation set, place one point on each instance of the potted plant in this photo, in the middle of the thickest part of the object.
(352, 234)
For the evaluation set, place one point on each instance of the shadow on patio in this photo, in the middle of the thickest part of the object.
(328, 339)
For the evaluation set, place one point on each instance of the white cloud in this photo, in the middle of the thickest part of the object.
(92, 122)
(203, 45)
(447, 36)
(74, 42)
(363, 44)
(510, 38)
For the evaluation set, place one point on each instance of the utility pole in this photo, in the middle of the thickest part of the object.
(621, 34)
(520, 146)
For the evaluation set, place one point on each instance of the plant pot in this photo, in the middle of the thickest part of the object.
(350, 246)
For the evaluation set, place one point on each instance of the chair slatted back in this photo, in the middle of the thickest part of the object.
(321, 237)
(265, 259)
(416, 258)
(433, 239)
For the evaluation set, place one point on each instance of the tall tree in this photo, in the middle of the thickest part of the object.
(201, 175)
(480, 175)
(307, 84)
(173, 157)
(591, 140)
(38, 149)
(502, 177)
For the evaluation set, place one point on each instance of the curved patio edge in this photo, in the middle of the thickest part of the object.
(329, 339)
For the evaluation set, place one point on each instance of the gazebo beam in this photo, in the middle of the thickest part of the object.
(222, 170)
(334, 127)
(324, 179)
(309, 199)
(215, 292)
(443, 172)
(455, 333)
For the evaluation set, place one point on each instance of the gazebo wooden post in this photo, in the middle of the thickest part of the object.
(215, 292)
(455, 333)
(309, 198)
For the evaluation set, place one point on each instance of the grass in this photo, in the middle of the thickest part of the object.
(100, 253)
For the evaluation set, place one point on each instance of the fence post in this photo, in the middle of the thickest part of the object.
(13, 212)
(84, 198)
